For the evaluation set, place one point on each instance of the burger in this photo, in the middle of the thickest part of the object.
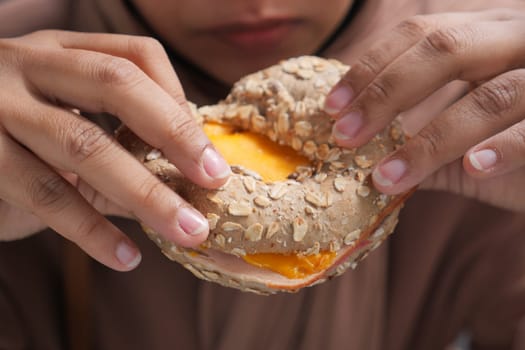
(298, 209)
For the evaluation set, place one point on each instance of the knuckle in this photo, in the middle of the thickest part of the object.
(370, 63)
(416, 26)
(430, 140)
(181, 100)
(144, 46)
(497, 96)
(182, 129)
(379, 90)
(117, 72)
(151, 192)
(88, 227)
(48, 191)
(87, 141)
(445, 41)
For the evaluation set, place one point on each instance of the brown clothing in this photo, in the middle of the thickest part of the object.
(452, 265)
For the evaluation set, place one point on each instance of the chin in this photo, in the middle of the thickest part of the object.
(229, 63)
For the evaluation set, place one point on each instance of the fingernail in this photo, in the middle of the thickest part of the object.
(214, 165)
(348, 126)
(483, 160)
(389, 173)
(128, 255)
(191, 221)
(338, 99)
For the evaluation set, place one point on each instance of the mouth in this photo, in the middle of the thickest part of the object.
(257, 36)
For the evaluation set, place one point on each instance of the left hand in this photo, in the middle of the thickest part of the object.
(486, 126)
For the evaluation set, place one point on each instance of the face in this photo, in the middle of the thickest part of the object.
(231, 38)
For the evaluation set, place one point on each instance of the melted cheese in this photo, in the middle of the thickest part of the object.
(274, 163)
(292, 266)
(253, 151)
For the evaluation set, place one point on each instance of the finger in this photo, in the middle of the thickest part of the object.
(501, 154)
(104, 83)
(396, 42)
(487, 110)
(443, 56)
(146, 52)
(68, 142)
(417, 117)
(93, 197)
(31, 185)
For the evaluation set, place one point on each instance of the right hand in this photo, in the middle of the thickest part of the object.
(60, 170)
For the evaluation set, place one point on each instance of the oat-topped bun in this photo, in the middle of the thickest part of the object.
(272, 232)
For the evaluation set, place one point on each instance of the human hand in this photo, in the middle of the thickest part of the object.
(486, 126)
(58, 168)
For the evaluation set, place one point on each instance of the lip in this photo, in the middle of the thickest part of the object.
(255, 36)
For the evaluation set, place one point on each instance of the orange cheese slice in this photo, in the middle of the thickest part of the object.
(273, 162)
(256, 152)
(292, 266)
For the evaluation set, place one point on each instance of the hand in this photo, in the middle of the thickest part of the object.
(58, 168)
(486, 126)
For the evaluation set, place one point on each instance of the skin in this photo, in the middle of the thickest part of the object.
(429, 52)
(195, 33)
(62, 171)
(68, 165)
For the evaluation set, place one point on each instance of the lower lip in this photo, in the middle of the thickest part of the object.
(260, 39)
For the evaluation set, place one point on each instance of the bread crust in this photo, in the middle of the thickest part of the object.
(330, 205)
